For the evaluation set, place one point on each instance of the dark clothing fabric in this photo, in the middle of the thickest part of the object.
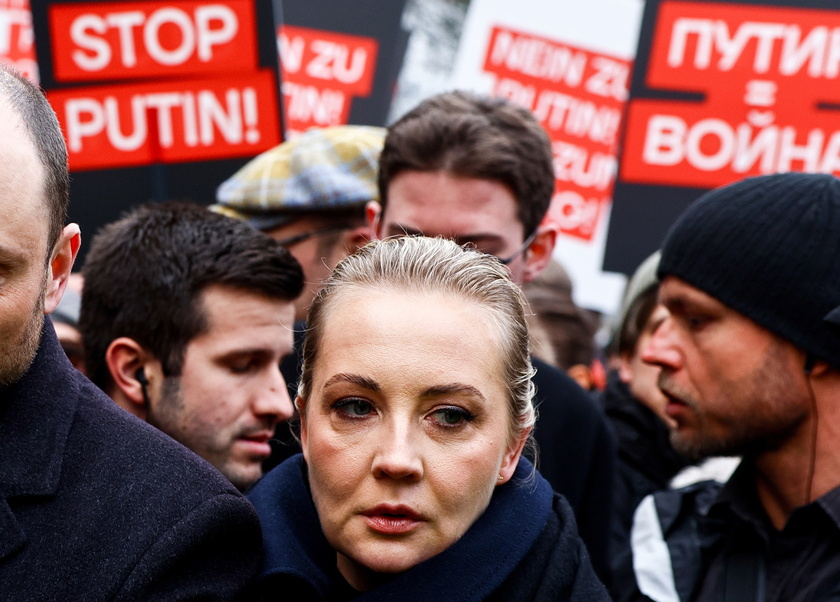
(646, 460)
(576, 449)
(577, 456)
(98, 505)
(523, 547)
(707, 524)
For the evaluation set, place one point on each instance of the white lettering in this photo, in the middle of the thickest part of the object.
(291, 53)
(575, 212)
(808, 154)
(125, 24)
(713, 144)
(208, 36)
(683, 28)
(85, 117)
(138, 136)
(80, 31)
(811, 49)
(331, 62)
(538, 58)
(724, 138)
(575, 164)
(12, 20)
(179, 118)
(198, 35)
(311, 104)
(577, 117)
(151, 36)
(213, 115)
(162, 104)
(664, 140)
(780, 47)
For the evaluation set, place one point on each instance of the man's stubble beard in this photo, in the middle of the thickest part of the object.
(17, 358)
(769, 423)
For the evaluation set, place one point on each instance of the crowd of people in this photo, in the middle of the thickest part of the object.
(361, 374)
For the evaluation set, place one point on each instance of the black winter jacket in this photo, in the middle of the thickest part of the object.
(98, 505)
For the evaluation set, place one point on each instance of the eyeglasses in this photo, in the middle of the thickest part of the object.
(525, 245)
(293, 240)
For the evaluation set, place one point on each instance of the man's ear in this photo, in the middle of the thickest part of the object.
(300, 406)
(61, 264)
(511, 458)
(540, 251)
(373, 212)
(125, 359)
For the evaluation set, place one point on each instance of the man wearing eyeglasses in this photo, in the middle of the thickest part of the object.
(309, 193)
(480, 171)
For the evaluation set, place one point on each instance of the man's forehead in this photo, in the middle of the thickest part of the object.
(21, 172)
(450, 205)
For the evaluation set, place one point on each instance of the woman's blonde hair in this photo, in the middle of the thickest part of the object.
(435, 265)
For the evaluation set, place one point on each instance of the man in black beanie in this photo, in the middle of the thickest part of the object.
(748, 274)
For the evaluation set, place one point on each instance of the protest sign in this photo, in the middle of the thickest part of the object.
(722, 91)
(571, 68)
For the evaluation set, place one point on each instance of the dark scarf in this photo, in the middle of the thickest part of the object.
(470, 569)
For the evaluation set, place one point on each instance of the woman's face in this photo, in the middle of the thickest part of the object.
(407, 428)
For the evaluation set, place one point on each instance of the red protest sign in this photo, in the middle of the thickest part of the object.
(119, 40)
(137, 124)
(578, 96)
(16, 38)
(766, 75)
(322, 71)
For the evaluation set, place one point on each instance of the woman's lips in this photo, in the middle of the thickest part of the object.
(392, 520)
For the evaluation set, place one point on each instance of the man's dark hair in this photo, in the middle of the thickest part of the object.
(144, 275)
(29, 102)
(478, 137)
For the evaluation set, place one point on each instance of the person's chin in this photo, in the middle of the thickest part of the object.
(390, 555)
(242, 474)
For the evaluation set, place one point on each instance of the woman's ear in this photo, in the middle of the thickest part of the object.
(300, 404)
(511, 458)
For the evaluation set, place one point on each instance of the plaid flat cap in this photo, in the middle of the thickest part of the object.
(323, 169)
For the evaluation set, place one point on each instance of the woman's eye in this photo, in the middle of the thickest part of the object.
(354, 408)
(452, 416)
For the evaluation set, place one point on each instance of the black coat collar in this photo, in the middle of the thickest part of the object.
(36, 414)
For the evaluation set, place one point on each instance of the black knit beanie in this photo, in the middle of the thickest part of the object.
(769, 248)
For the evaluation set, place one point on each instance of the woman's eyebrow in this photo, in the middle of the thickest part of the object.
(449, 389)
(355, 379)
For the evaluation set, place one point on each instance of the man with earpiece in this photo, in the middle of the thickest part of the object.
(186, 316)
(749, 273)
